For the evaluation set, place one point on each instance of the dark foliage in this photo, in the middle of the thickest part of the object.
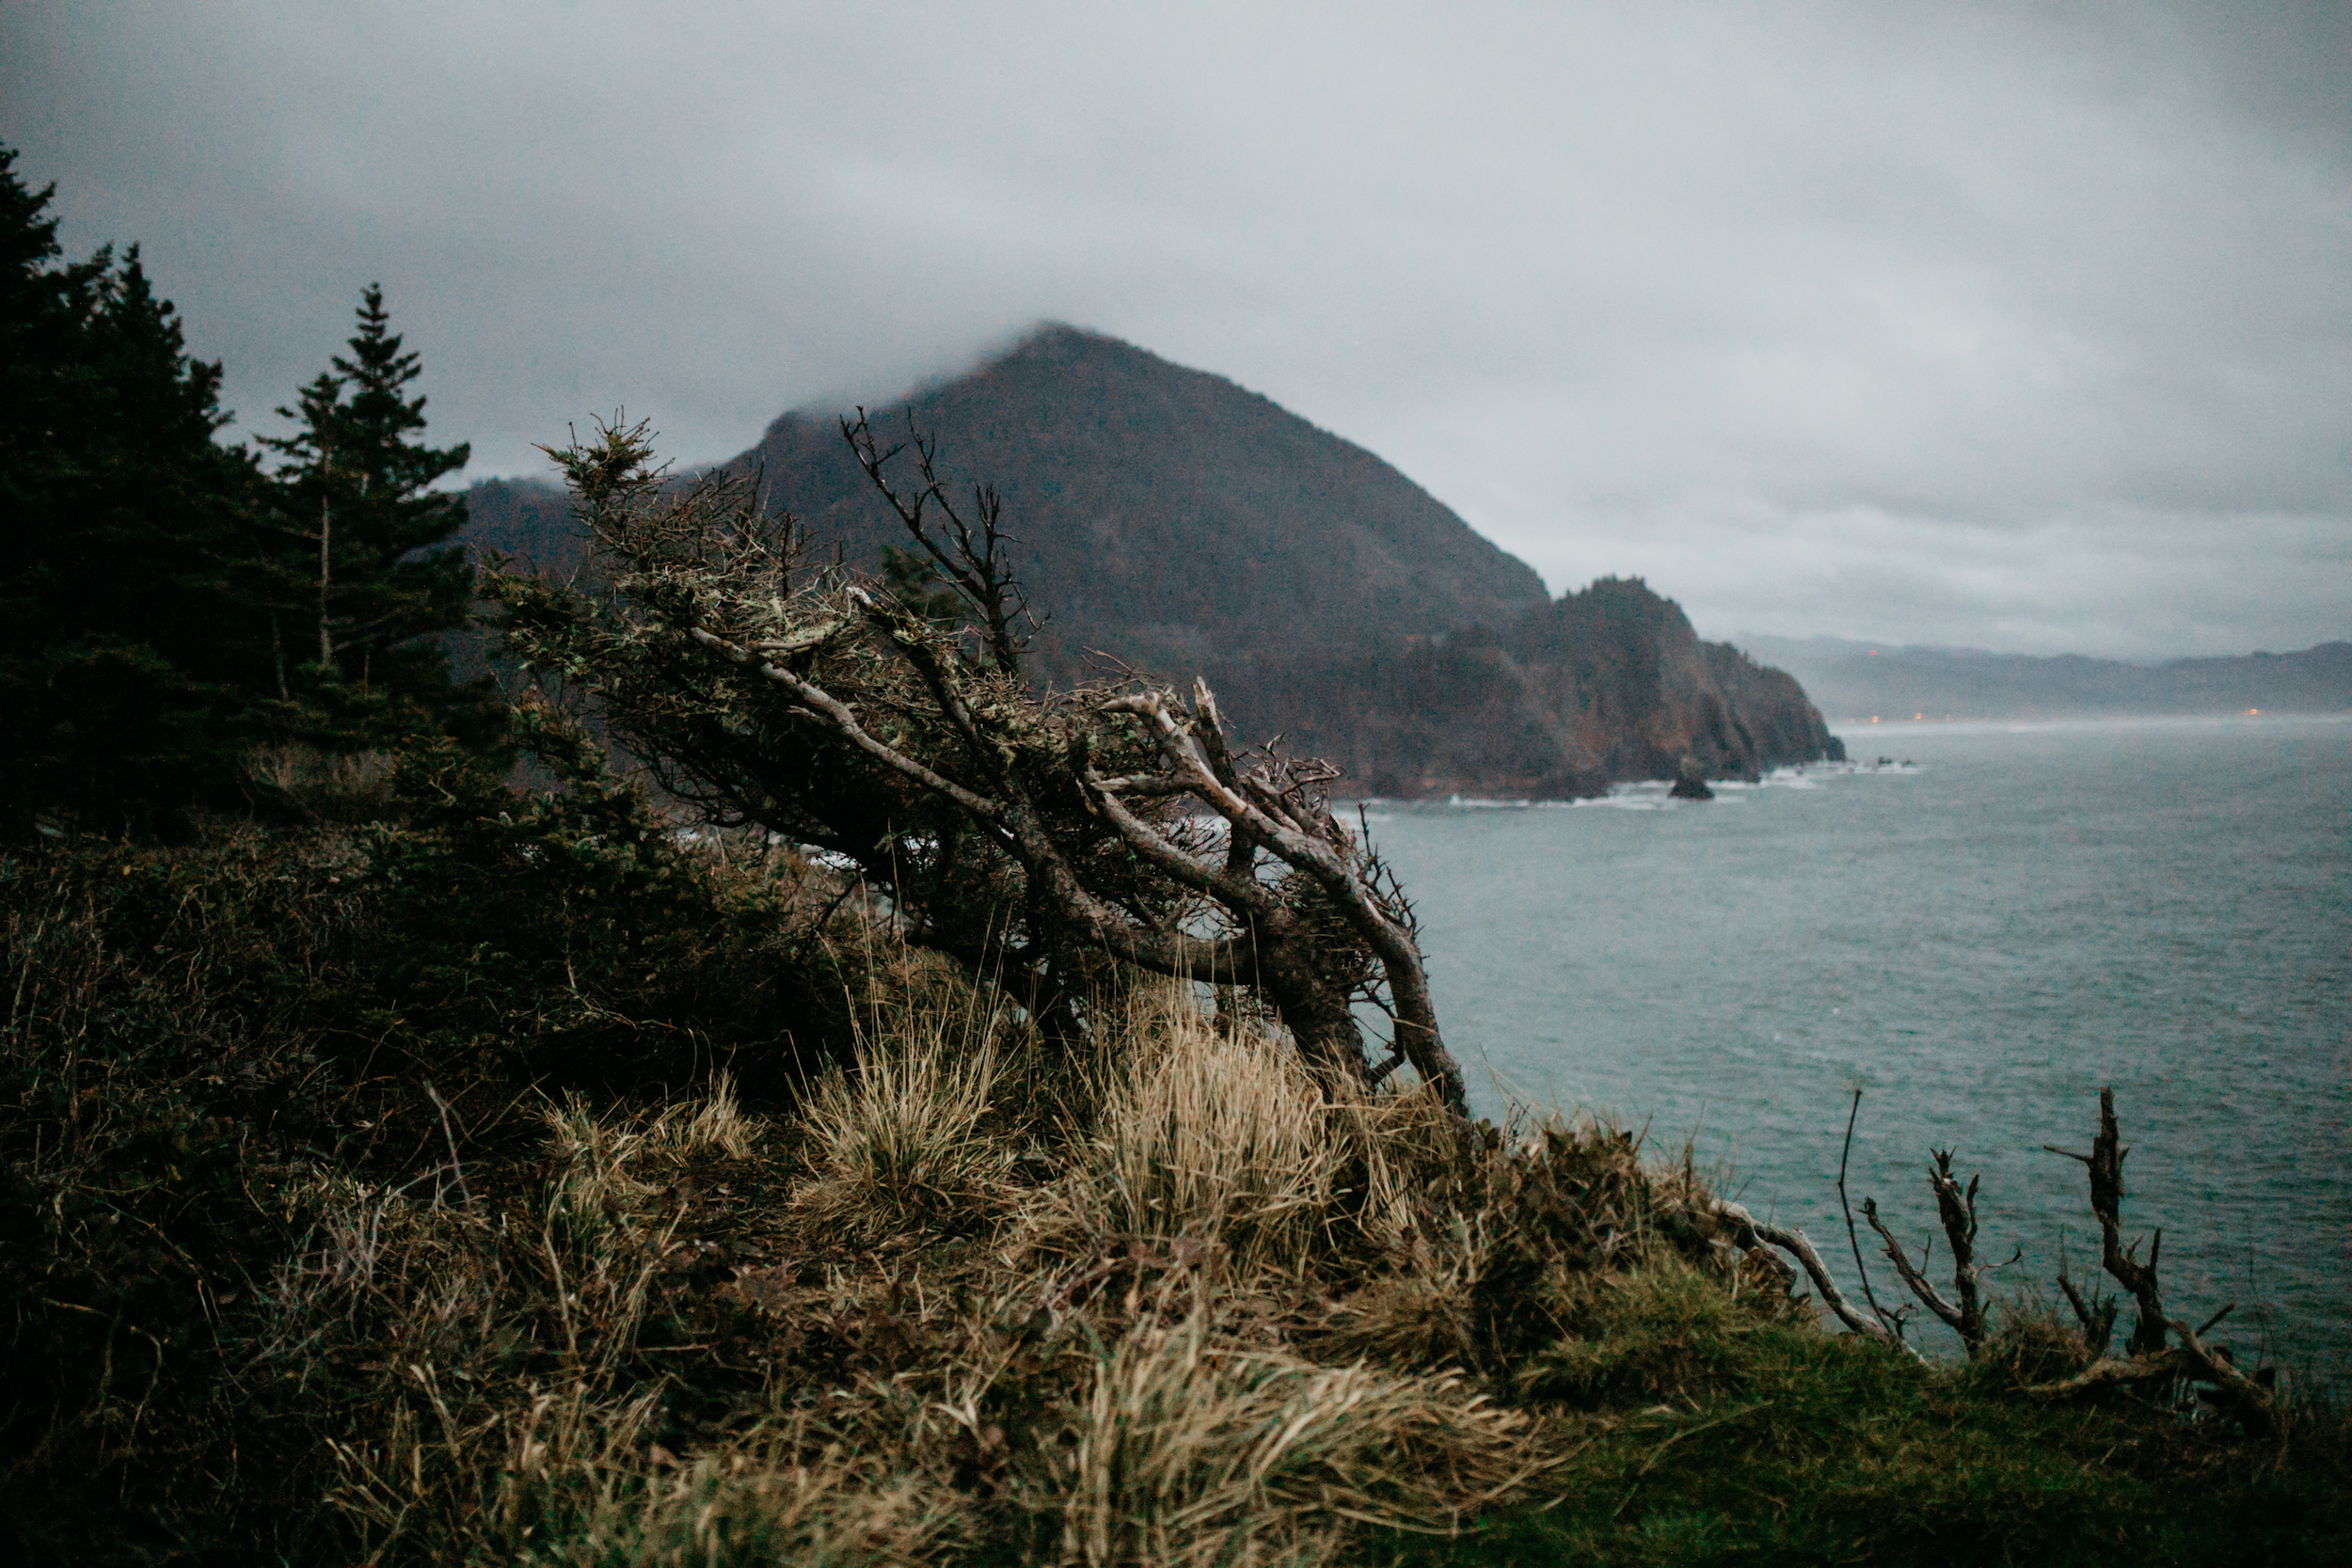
(199, 1035)
(124, 663)
(155, 577)
(356, 565)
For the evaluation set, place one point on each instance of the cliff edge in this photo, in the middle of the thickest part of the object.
(1600, 686)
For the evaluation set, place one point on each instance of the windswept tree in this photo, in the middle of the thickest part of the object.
(362, 566)
(1032, 835)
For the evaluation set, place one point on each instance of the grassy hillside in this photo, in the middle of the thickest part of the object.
(502, 1179)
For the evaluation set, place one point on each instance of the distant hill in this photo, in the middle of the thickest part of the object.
(1599, 687)
(1164, 514)
(1183, 524)
(529, 519)
(1855, 680)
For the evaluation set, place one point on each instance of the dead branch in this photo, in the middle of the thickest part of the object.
(819, 704)
(1278, 810)
(2192, 1359)
(1957, 1209)
(2106, 1163)
(1751, 1232)
(1911, 1275)
(1891, 1319)
(975, 564)
(2107, 1371)
(2097, 1314)
(2248, 1399)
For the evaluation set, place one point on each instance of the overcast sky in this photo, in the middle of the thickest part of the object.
(2025, 327)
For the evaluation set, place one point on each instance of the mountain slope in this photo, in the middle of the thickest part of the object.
(1597, 688)
(1163, 514)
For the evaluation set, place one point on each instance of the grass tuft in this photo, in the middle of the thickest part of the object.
(1218, 1138)
(1185, 1450)
(909, 1137)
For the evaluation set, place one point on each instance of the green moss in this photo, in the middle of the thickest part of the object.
(1714, 1435)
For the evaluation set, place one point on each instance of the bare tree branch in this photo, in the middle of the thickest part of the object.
(976, 568)
(823, 704)
(1957, 1209)
(2192, 1357)
(1750, 1232)
(2106, 1163)
(1320, 856)
(1891, 1319)
(2097, 1315)
(1911, 1276)
(2107, 1371)
(2248, 1399)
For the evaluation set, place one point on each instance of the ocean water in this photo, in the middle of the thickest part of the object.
(1980, 935)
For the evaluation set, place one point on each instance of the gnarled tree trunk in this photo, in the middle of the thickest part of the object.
(1118, 820)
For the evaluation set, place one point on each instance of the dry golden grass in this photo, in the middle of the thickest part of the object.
(1186, 1449)
(569, 1480)
(1219, 1138)
(978, 1296)
(1133, 1399)
(910, 1137)
(518, 1394)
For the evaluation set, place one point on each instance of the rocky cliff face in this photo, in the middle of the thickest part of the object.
(1597, 688)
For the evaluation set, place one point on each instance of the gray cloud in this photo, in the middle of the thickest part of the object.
(2000, 326)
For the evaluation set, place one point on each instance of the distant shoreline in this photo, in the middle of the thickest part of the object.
(1855, 730)
(1858, 681)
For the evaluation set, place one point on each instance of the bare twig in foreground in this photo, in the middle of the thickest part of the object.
(1957, 1208)
(2105, 1161)
(1750, 1232)
(2148, 1358)
(1891, 1319)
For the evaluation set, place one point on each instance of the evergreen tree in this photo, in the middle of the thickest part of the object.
(365, 571)
(126, 664)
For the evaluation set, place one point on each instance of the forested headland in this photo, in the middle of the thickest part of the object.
(873, 1089)
(1171, 522)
